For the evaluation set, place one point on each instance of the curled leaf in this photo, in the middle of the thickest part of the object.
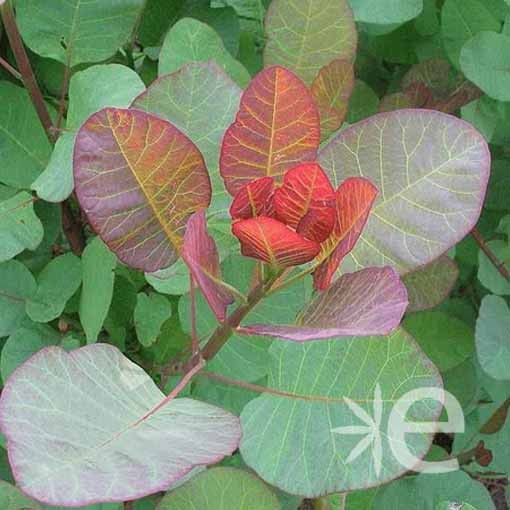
(273, 242)
(201, 255)
(354, 199)
(138, 179)
(255, 199)
(305, 201)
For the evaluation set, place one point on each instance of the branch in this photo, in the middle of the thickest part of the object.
(27, 75)
(500, 266)
(224, 331)
(72, 229)
(10, 69)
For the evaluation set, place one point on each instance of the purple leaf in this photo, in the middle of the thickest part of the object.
(369, 302)
(88, 426)
(138, 179)
(200, 254)
(431, 170)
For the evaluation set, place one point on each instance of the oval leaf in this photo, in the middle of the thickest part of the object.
(277, 126)
(138, 179)
(431, 170)
(292, 439)
(90, 430)
(369, 302)
(305, 35)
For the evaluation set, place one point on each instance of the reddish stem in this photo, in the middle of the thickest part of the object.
(27, 75)
(10, 69)
(500, 266)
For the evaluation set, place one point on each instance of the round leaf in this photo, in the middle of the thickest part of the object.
(431, 170)
(87, 426)
(289, 438)
(485, 61)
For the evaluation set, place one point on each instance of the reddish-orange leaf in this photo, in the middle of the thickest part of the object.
(138, 180)
(255, 199)
(201, 255)
(305, 201)
(273, 242)
(277, 127)
(332, 89)
(354, 199)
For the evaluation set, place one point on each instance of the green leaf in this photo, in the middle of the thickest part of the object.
(11, 498)
(363, 102)
(386, 12)
(431, 170)
(430, 285)
(484, 60)
(461, 20)
(455, 486)
(23, 343)
(492, 334)
(56, 284)
(20, 228)
(16, 286)
(24, 147)
(306, 35)
(158, 15)
(488, 275)
(151, 312)
(90, 90)
(76, 31)
(50, 216)
(115, 422)
(173, 280)
(221, 488)
(447, 341)
(98, 263)
(190, 98)
(427, 23)
(190, 40)
(499, 184)
(290, 440)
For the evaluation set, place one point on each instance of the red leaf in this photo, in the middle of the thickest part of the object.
(354, 199)
(305, 202)
(200, 254)
(271, 241)
(255, 199)
(277, 126)
(138, 179)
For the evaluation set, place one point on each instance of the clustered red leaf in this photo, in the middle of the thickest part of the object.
(285, 210)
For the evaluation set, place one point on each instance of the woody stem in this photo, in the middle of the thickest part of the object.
(225, 330)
